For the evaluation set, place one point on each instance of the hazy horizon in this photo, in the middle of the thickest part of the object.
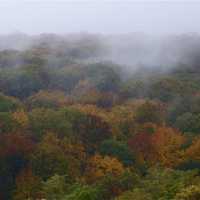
(103, 17)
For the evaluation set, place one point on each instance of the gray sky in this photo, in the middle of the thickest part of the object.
(99, 16)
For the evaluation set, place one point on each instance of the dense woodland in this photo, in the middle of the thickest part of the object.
(76, 124)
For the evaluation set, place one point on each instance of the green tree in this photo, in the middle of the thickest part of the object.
(49, 158)
(8, 103)
(43, 120)
(149, 112)
(188, 123)
(84, 193)
(136, 194)
(191, 192)
(117, 149)
(55, 187)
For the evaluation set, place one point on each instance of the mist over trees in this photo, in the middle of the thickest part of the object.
(99, 117)
(130, 48)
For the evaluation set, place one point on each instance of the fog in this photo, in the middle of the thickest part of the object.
(129, 32)
(99, 16)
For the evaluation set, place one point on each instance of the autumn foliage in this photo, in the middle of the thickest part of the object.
(75, 128)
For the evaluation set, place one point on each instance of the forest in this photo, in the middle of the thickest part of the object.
(96, 117)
